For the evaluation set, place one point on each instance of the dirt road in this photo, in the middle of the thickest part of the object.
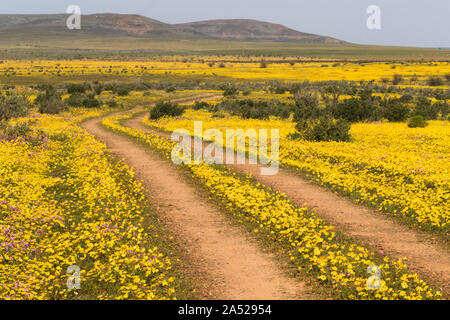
(225, 262)
(425, 255)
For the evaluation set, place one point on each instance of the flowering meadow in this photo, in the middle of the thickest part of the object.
(374, 131)
(312, 245)
(64, 201)
(399, 170)
(231, 67)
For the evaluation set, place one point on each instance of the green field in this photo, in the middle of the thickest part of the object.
(86, 46)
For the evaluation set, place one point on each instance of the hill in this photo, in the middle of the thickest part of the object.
(54, 25)
(253, 30)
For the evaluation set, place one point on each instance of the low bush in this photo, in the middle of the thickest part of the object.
(122, 91)
(255, 109)
(77, 88)
(397, 79)
(51, 104)
(435, 81)
(417, 122)
(406, 98)
(395, 111)
(13, 106)
(306, 106)
(166, 109)
(230, 92)
(430, 111)
(75, 100)
(354, 110)
(91, 102)
(322, 129)
(201, 105)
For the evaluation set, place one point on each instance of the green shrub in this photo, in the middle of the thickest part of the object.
(254, 109)
(121, 89)
(417, 122)
(323, 129)
(98, 88)
(229, 92)
(406, 98)
(15, 131)
(51, 104)
(442, 108)
(306, 106)
(354, 110)
(397, 79)
(112, 103)
(91, 102)
(23, 131)
(430, 111)
(166, 109)
(13, 106)
(75, 100)
(121, 92)
(201, 105)
(47, 88)
(77, 88)
(435, 81)
(396, 111)
(279, 89)
(247, 109)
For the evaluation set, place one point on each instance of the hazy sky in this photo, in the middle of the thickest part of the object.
(403, 22)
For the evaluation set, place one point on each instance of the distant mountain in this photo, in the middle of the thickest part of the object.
(37, 27)
(94, 25)
(252, 30)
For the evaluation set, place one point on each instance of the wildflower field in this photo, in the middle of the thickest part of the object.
(317, 247)
(402, 171)
(65, 201)
(230, 67)
(376, 133)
